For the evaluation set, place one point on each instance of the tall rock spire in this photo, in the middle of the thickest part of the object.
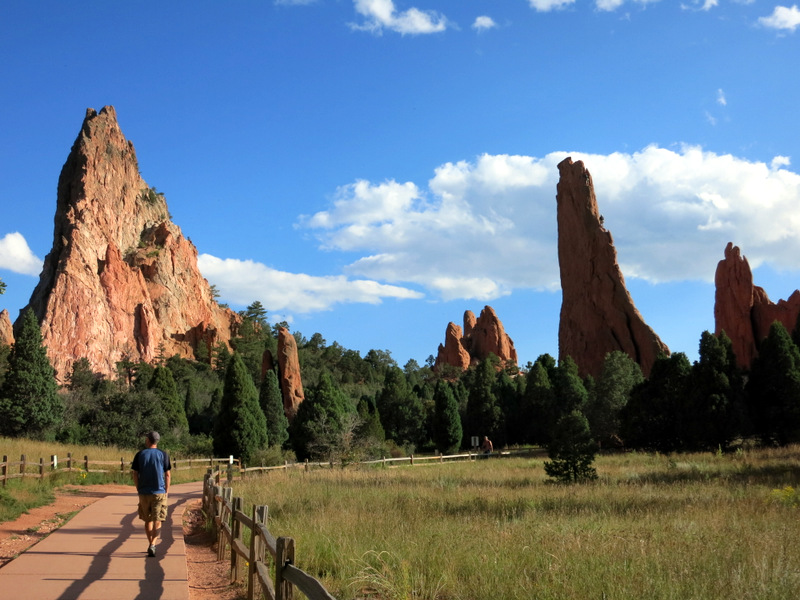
(121, 282)
(597, 313)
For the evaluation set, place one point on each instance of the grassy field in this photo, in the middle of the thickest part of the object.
(679, 527)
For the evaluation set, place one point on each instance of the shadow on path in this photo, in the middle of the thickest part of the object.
(152, 586)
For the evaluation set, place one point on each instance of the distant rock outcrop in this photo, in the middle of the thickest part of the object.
(121, 281)
(289, 373)
(597, 312)
(6, 329)
(743, 310)
(481, 337)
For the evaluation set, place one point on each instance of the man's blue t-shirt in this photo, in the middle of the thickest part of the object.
(151, 464)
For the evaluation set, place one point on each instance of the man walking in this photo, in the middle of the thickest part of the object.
(151, 476)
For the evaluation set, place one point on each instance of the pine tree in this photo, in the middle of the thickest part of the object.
(619, 376)
(271, 403)
(447, 430)
(537, 411)
(240, 428)
(162, 384)
(571, 450)
(323, 421)
(29, 401)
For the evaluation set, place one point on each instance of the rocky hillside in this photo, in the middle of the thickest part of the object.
(121, 282)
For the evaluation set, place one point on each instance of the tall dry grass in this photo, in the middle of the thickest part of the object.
(673, 527)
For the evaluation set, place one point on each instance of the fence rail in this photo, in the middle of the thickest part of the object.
(264, 555)
(42, 468)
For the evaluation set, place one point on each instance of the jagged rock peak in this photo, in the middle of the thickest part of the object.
(597, 312)
(481, 337)
(121, 281)
(743, 310)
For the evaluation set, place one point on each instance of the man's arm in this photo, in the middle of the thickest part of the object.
(136, 478)
(167, 479)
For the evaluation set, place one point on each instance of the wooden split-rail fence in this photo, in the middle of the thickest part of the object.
(229, 521)
(45, 468)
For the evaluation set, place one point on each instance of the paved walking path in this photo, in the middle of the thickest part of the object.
(101, 554)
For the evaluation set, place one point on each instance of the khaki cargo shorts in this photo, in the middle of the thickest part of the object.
(152, 507)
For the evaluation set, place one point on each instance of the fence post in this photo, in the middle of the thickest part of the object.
(53, 462)
(5, 469)
(256, 551)
(69, 461)
(122, 465)
(306, 466)
(22, 465)
(41, 468)
(284, 555)
(236, 534)
(86, 463)
(412, 460)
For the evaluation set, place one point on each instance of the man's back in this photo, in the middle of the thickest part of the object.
(151, 463)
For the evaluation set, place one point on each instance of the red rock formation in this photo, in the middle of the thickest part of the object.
(482, 336)
(289, 370)
(488, 336)
(453, 351)
(6, 329)
(743, 310)
(121, 281)
(597, 312)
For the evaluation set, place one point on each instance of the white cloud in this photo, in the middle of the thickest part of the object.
(782, 18)
(483, 23)
(780, 161)
(609, 5)
(721, 99)
(548, 5)
(612, 5)
(294, 2)
(16, 256)
(243, 281)
(482, 228)
(382, 14)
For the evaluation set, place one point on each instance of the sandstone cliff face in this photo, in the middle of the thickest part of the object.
(481, 337)
(6, 329)
(289, 373)
(597, 312)
(743, 310)
(121, 281)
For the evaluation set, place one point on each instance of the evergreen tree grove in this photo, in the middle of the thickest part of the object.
(774, 389)
(29, 401)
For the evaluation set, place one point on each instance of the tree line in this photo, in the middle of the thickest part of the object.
(363, 407)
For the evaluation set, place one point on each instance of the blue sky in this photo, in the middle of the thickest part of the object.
(370, 169)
